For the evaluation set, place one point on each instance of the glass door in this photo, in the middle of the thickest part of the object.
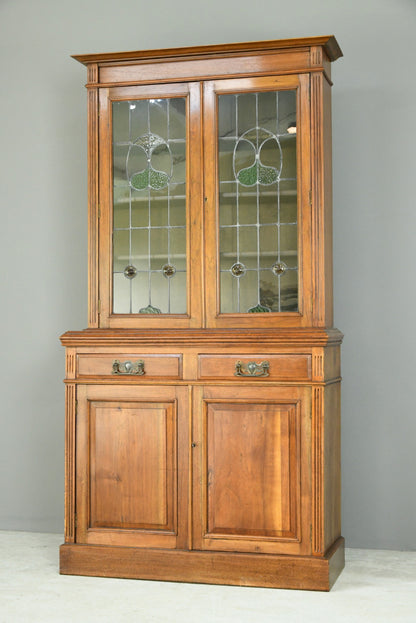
(257, 136)
(146, 240)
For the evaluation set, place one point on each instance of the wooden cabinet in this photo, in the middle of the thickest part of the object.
(202, 401)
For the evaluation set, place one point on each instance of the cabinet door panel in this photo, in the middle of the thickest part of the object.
(252, 470)
(258, 246)
(128, 488)
(132, 489)
(150, 164)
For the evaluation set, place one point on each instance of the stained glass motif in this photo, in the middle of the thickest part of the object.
(149, 206)
(258, 140)
(149, 310)
(238, 270)
(257, 172)
(151, 145)
(258, 309)
(130, 272)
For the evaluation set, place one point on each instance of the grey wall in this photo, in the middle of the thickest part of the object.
(43, 234)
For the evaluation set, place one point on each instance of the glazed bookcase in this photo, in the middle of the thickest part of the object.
(203, 399)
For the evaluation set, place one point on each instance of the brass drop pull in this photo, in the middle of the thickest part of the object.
(252, 368)
(129, 367)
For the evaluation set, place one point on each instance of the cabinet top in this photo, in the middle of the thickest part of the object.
(328, 43)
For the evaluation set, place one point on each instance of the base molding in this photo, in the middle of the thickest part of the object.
(265, 570)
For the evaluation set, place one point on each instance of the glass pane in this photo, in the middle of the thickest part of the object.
(139, 249)
(121, 200)
(228, 206)
(121, 294)
(177, 118)
(257, 169)
(228, 245)
(178, 293)
(149, 206)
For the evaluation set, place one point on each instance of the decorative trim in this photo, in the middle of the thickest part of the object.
(329, 43)
(317, 470)
(93, 200)
(200, 337)
(317, 196)
(70, 416)
(316, 56)
(317, 366)
(70, 363)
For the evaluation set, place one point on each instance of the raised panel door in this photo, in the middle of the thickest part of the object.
(252, 469)
(130, 487)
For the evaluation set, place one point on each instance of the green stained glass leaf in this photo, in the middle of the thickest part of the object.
(258, 173)
(150, 178)
(248, 176)
(158, 179)
(149, 310)
(258, 309)
(267, 175)
(140, 181)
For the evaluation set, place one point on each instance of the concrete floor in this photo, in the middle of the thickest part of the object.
(377, 586)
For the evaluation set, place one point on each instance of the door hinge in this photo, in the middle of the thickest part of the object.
(310, 198)
(75, 521)
(310, 535)
(99, 306)
(76, 407)
(99, 210)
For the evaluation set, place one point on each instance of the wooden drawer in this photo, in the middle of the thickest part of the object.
(116, 365)
(283, 367)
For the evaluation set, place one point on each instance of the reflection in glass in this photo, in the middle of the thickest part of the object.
(149, 206)
(257, 171)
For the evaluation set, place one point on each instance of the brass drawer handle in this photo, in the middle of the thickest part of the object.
(252, 368)
(128, 367)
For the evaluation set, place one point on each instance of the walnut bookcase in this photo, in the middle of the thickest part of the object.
(203, 400)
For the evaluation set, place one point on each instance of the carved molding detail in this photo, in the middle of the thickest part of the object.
(317, 366)
(70, 463)
(317, 470)
(70, 363)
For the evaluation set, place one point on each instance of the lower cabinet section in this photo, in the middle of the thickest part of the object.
(232, 482)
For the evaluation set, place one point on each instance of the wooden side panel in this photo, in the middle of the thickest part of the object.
(251, 469)
(326, 467)
(332, 464)
(132, 448)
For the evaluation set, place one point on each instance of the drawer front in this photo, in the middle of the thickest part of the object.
(128, 365)
(283, 367)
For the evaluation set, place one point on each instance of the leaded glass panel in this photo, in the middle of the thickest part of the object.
(257, 172)
(149, 206)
